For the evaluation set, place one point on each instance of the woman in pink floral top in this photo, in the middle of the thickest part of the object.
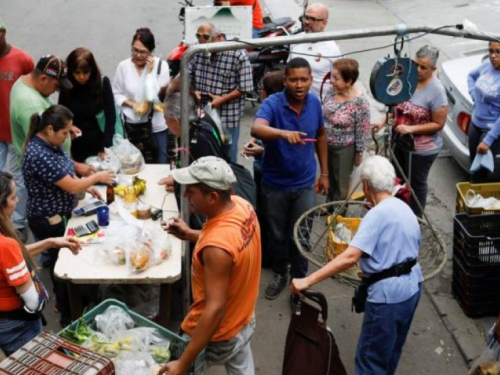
(347, 121)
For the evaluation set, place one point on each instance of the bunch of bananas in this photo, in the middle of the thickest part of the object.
(139, 186)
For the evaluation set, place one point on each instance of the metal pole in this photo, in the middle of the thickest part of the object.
(279, 41)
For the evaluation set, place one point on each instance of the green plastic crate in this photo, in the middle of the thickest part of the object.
(177, 343)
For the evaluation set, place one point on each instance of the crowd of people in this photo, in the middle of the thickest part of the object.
(313, 114)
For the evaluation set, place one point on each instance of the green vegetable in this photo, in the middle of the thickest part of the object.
(159, 353)
(79, 335)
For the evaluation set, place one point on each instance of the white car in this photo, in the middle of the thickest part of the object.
(453, 75)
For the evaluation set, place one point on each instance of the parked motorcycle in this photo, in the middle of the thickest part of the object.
(263, 60)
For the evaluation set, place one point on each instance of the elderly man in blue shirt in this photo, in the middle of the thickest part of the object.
(386, 246)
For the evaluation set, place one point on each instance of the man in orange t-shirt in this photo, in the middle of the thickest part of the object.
(225, 271)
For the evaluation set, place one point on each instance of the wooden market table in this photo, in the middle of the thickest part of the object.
(84, 269)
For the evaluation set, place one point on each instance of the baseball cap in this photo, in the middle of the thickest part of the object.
(208, 170)
(2, 25)
(53, 66)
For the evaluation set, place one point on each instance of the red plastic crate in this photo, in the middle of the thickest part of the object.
(50, 354)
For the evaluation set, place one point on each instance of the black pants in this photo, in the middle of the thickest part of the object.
(476, 135)
(42, 230)
(264, 225)
(416, 168)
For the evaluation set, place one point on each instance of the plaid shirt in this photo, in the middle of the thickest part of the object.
(231, 70)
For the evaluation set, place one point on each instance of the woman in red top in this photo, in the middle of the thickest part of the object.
(22, 296)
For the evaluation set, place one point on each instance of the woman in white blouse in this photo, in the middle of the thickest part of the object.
(127, 85)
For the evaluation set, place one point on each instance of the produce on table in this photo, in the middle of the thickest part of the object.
(140, 258)
(139, 185)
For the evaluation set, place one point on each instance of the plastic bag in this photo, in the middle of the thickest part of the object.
(111, 162)
(137, 363)
(477, 200)
(139, 257)
(113, 320)
(151, 87)
(214, 115)
(129, 156)
(343, 233)
(488, 362)
(355, 181)
(160, 244)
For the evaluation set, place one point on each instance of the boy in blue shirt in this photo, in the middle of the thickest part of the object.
(290, 123)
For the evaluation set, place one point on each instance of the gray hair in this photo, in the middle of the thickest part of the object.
(214, 31)
(172, 107)
(379, 173)
(432, 53)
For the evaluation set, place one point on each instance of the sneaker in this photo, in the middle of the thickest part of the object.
(295, 304)
(277, 284)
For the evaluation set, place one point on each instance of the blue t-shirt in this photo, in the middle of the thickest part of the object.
(287, 166)
(484, 89)
(43, 165)
(389, 234)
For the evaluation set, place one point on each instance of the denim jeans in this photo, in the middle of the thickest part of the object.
(161, 141)
(4, 149)
(283, 208)
(16, 333)
(255, 33)
(232, 148)
(416, 167)
(383, 334)
(14, 168)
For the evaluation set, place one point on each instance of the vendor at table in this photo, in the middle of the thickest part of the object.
(52, 186)
(22, 296)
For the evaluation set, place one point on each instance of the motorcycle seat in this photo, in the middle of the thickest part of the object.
(253, 56)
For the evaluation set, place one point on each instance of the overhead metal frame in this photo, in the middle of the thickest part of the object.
(280, 41)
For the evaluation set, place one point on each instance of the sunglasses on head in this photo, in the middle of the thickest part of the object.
(202, 36)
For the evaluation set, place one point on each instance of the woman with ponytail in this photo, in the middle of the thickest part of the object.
(22, 295)
(52, 185)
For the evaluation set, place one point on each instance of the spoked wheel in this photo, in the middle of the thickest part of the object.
(324, 231)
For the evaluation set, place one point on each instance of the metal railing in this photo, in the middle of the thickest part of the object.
(279, 41)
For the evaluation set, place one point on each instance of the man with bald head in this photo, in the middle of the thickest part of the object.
(319, 55)
(222, 78)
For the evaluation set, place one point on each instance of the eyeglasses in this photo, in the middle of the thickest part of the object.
(203, 36)
(139, 52)
(492, 51)
(313, 19)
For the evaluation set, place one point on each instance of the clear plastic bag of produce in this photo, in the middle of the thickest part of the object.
(136, 363)
(159, 242)
(108, 161)
(130, 157)
(113, 321)
(139, 257)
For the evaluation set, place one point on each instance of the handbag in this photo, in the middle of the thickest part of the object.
(141, 136)
(101, 121)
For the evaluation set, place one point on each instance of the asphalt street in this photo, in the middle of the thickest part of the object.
(442, 339)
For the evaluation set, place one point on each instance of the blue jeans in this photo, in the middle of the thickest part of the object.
(283, 208)
(4, 149)
(161, 142)
(14, 168)
(16, 333)
(255, 33)
(232, 148)
(383, 334)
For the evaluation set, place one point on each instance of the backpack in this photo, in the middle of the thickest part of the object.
(207, 130)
